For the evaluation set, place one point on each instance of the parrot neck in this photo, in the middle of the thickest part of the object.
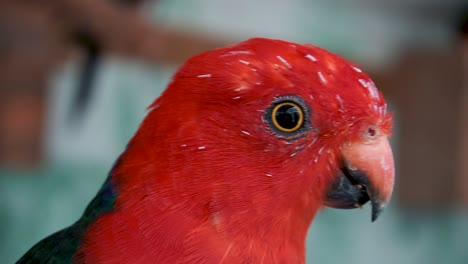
(228, 223)
(167, 209)
(275, 237)
(272, 227)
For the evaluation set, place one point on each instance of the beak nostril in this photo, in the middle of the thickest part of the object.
(371, 132)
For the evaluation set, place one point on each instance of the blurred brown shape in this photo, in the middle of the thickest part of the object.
(427, 87)
(463, 159)
(29, 48)
(430, 89)
(37, 35)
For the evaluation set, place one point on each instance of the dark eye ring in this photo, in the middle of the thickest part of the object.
(287, 116)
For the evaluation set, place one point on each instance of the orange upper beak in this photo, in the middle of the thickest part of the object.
(368, 174)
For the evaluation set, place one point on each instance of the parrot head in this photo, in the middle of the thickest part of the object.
(261, 133)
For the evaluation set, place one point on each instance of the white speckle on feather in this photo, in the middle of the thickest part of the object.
(238, 89)
(269, 174)
(340, 101)
(258, 83)
(373, 90)
(356, 69)
(321, 77)
(245, 132)
(227, 252)
(153, 107)
(370, 86)
(254, 70)
(244, 62)
(311, 97)
(382, 110)
(236, 97)
(204, 75)
(316, 159)
(183, 145)
(293, 154)
(201, 147)
(363, 83)
(237, 52)
(285, 62)
(301, 171)
(311, 58)
(311, 143)
(320, 150)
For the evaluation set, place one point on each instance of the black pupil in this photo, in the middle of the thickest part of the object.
(287, 116)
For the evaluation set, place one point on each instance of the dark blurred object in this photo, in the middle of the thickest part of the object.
(36, 36)
(92, 52)
(463, 23)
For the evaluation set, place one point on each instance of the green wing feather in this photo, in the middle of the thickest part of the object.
(61, 246)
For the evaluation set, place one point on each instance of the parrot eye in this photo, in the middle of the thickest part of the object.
(287, 116)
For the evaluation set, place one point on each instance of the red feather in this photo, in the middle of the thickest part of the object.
(206, 180)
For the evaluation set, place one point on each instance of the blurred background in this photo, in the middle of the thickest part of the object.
(77, 75)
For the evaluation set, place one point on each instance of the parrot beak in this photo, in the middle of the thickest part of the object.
(367, 174)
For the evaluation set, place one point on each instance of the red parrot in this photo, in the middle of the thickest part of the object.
(234, 159)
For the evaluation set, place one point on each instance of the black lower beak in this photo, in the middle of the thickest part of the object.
(352, 189)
